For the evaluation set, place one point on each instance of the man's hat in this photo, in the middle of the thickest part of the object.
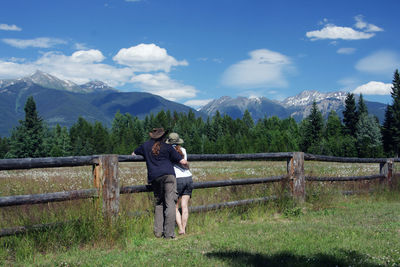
(157, 133)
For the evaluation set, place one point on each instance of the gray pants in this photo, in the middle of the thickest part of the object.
(164, 188)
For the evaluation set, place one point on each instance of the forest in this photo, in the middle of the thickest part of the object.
(357, 134)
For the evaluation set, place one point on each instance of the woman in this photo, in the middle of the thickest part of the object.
(184, 183)
(160, 158)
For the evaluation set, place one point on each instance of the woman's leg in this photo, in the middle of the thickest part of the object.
(179, 217)
(185, 211)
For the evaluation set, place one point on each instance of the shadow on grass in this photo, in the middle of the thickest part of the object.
(240, 258)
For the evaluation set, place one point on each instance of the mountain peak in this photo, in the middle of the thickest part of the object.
(307, 97)
(96, 86)
(49, 81)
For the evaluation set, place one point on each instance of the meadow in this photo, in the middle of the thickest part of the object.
(327, 228)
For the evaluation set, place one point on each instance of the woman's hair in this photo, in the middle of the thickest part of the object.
(156, 148)
(178, 148)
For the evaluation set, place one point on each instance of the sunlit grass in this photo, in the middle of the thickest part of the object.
(84, 217)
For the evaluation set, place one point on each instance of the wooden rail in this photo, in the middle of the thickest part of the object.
(105, 172)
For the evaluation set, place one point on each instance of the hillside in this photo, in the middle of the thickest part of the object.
(63, 102)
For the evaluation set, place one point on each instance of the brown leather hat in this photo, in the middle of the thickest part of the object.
(157, 133)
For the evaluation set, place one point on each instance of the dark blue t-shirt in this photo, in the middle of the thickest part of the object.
(161, 164)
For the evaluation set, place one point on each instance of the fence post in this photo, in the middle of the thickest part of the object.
(109, 185)
(386, 169)
(297, 177)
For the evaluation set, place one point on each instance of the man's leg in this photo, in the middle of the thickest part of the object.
(171, 197)
(159, 206)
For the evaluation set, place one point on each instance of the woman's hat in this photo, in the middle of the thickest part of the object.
(173, 138)
(157, 133)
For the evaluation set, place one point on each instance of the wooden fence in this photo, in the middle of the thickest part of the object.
(105, 176)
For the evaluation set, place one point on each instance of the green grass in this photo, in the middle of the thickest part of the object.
(352, 231)
(329, 229)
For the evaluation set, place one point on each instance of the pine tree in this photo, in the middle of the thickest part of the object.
(312, 130)
(369, 138)
(361, 107)
(391, 125)
(27, 139)
(395, 129)
(4, 147)
(350, 115)
(247, 119)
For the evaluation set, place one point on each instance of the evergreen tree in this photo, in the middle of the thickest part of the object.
(61, 143)
(247, 119)
(395, 129)
(333, 127)
(387, 137)
(4, 147)
(350, 115)
(369, 138)
(312, 130)
(361, 107)
(27, 139)
(391, 125)
(82, 140)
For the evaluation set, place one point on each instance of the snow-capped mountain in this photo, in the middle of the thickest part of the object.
(308, 97)
(47, 80)
(298, 106)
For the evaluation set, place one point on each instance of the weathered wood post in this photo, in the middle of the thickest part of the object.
(106, 180)
(386, 169)
(296, 176)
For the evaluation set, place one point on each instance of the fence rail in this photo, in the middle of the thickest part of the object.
(105, 174)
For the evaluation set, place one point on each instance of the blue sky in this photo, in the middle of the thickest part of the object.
(194, 51)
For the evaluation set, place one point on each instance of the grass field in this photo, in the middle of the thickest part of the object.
(328, 230)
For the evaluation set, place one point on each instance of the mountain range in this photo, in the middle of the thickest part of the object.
(60, 101)
(298, 106)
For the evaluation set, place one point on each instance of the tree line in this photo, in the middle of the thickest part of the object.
(358, 134)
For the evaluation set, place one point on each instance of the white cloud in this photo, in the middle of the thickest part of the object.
(147, 57)
(367, 27)
(374, 88)
(88, 56)
(161, 84)
(6, 27)
(87, 65)
(197, 103)
(80, 46)
(346, 50)
(264, 69)
(381, 62)
(42, 42)
(331, 31)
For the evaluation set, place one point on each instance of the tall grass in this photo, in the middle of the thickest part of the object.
(83, 223)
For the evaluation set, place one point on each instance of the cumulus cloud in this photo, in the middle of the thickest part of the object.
(146, 58)
(336, 32)
(87, 65)
(6, 27)
(331, 31)
(367, 27)
(42, 42)
(161, 84)
(381, 62)
(374, 88)
(264, 68)
(346, 50)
